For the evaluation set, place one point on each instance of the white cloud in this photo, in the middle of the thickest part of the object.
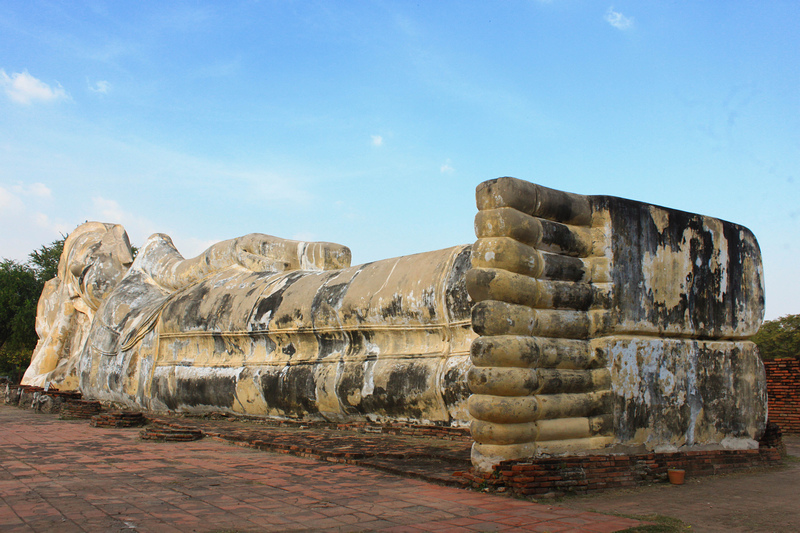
(40, 189)
(618, 20)
(9, 201)
(155, 170)
(34, 189)
(12, 199)
(377, 140)
(42, 220)
(101, 87)
(192, 246)
(447, 167)
(23, 88)
(139, 228)
(109, 210)
(26, 226)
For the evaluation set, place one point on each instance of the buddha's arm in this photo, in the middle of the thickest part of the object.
(256, 252)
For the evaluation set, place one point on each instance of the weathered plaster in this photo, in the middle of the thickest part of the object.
(573, 323)
(664, 298)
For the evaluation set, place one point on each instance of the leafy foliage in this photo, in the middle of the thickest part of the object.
(45, 259)
(779, 338)
(19, 293)
(20, 288)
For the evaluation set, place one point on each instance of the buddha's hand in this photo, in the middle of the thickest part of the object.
(260, 252)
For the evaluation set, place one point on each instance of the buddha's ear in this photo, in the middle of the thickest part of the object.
(77, 268)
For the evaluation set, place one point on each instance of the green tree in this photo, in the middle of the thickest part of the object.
(20, 288)
(45, 259)
(19, 293)
(779, 338)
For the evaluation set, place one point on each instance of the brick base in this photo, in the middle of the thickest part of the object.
(582, 474)
(396, 428)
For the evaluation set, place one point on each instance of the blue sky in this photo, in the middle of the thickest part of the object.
(370, 123)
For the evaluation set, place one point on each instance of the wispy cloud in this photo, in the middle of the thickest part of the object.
(24, 89)
(618, 20)
(9, 201)
(108, 210)
(377, 140)
(139, 228)
(101, 87)
(447, 167)
(192, 246)
(34, 189)
(23, 219)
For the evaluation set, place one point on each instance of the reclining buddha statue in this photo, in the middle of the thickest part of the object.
(573, 323)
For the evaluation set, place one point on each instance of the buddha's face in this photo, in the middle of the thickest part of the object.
(99, 263)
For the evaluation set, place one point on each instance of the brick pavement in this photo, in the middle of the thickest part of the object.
(432, 459)
(66, 476)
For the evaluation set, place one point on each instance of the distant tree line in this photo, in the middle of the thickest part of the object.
(779, 338)
(21, 285)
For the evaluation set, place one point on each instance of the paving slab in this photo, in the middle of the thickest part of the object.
(764, 501)
(62, 475)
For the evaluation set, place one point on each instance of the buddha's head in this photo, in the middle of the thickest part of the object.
(96, 256)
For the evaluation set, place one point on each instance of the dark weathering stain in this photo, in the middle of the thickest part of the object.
(188, 303)
(732, 398)
(562, 267)
(724, 394)
(216, 391)
(459, 304)
(636, 235)
(429, 300)
(661, 414)
(291, 390)
(354, 314)
(567, 241)
(395, 307)
(325, 311)
(403, 389)
(579, 296)
(456, 389)
(331, 342)
(194, 310)
(352, 381)
(327, 300)
(223, 344)
(268, 305)
(667, 420)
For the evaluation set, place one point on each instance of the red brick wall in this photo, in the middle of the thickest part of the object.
(582, 474)
(783, 393)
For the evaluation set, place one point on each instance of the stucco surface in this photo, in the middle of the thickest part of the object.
(573, 323)
(623, 324)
